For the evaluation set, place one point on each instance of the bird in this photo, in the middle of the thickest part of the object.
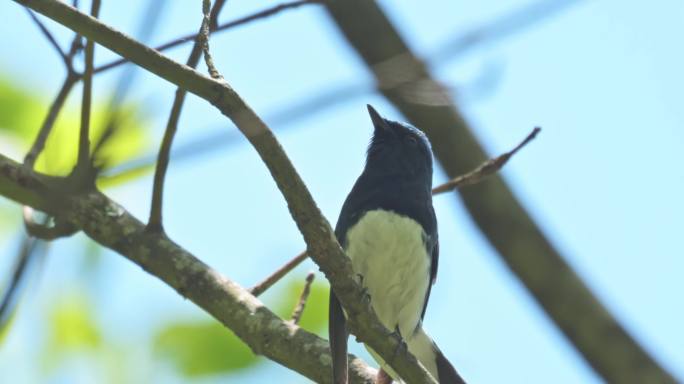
(388, 228)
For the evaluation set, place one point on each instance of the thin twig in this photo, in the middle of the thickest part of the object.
(516, 21)
(204, 40)
(155, 222)
(83, 161)
(50, 119)
(9, 296)
(50, 37)
(487, 168)
(223, 27)
(148, 23)
(299, 308)
(277, 275)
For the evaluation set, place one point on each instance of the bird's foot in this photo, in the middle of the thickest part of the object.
(401, 344)
(365, 296)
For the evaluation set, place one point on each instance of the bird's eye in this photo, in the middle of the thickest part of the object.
(412, 140)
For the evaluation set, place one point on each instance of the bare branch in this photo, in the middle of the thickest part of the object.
(112, 226)
(51, 39)
(277, 275)
(27, 249)
(519, 20)
(223, 27)
(155, 222)
(487, 168)
(301, 303)
(316, 230)
(83, 163)
(203, 39)
(603, 342)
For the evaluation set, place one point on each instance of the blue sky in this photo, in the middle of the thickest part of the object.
(602, 78)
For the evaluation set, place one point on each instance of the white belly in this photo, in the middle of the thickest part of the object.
(389, 252)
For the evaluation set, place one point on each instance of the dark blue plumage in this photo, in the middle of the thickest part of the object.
(388, 228)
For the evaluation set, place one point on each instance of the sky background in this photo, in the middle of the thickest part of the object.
(602, 78)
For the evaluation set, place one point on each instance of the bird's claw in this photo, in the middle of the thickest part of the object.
(401, 344)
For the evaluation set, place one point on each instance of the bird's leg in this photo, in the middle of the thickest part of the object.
(365, 296)
(401, 346)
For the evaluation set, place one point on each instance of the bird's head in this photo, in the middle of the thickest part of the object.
(398, 148)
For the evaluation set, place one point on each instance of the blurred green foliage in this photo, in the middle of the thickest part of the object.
(72, 328)
(20, 111)
(202, 348)
(121, 133)
(315, 316)
(195, 348)
(206, 347)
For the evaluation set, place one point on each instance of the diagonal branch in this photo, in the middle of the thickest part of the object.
(485, 169)
(316, 230)
(403, 79)
(217, 28)
(50, 38)
(111, 226)
(478, 174)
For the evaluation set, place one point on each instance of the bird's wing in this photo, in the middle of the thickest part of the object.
(433, 274)
(338, 334)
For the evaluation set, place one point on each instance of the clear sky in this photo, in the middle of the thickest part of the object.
(603, 79)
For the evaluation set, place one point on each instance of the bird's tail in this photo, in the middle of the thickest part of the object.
(427, 352)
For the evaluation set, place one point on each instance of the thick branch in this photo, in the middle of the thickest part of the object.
(478, 174)
(318, 234)
(405, 81)
(110, 225)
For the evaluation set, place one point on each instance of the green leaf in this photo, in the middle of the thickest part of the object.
(203, 348)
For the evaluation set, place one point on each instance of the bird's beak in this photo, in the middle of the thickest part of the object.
(379, 123)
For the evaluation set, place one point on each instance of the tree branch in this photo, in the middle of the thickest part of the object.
(277, 275)
(484, 170)
(50, 38)
(301, 303)
(83, 164)
(218, 28)
(9, 296)
(203, 39)
(405, 81)
(111, 226)
(155, 222)
(318, 234)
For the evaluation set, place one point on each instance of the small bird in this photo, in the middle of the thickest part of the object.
(388, 228)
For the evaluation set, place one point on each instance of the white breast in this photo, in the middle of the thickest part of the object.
(389, 252)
